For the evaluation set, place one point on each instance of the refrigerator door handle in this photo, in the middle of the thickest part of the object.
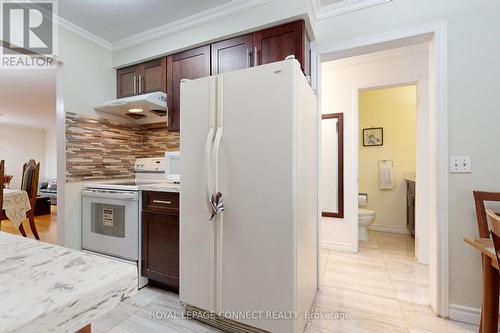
(216, 202)
(209, 143)
(208, 165)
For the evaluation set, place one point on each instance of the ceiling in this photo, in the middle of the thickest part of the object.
(28, 98)
(114, 20)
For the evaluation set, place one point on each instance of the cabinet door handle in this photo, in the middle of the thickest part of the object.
(249, 54)
(162, 202)
(135, 85)
(255, 56)
(140, 84)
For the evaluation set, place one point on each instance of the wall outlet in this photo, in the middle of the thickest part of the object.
(460, 164)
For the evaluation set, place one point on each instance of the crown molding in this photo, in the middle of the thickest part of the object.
(65, 24)
(377, 56)
(230, 8)
(346, 6)
(212, 14)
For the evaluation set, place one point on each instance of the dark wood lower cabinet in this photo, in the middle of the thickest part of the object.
(410, 207)
(160, 245)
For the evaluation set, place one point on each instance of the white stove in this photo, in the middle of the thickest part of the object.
(146, 171)
(111, 221)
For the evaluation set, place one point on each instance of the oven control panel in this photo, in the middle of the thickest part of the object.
(156, 164)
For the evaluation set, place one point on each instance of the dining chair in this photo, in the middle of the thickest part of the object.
(29, 183)
(494, 223)
(480, 198)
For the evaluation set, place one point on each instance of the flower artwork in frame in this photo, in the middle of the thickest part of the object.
(373, 136)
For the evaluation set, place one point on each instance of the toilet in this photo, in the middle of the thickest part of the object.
(365, 217)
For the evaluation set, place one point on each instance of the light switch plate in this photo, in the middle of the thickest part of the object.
(460, 164)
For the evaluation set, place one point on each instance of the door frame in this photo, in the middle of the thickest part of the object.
(340, 162)
(438, 69)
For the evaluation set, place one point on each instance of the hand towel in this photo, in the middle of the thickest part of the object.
(385, 179)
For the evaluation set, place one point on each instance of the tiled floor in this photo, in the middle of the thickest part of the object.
(380, 289)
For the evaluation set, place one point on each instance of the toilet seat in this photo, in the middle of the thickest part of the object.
(366, 212)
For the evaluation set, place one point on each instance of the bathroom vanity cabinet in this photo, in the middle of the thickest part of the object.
(410, 206)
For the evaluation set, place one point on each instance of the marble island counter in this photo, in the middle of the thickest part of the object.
(48, 288)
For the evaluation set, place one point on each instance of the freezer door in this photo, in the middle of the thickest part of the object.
(196, 234)
(256, 255)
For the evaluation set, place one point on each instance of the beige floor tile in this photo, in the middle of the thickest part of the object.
(342, 300)
(371, 243)
(381, 286)
(382, 289)
(422, 317)
(357, 259)
(354, 325)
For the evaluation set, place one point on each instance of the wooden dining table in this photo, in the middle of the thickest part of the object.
(489, 313)
(16, 204)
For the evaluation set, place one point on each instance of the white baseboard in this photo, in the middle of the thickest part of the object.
(337, 246)
(464, 314)
(392, 229)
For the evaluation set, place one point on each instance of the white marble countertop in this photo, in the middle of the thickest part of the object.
(161, 187)
(48, 288)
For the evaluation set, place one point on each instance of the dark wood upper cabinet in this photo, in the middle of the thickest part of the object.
(191, 64)
(126, 81)
(277, 43)
(258, 48)
(140, 79)
(154, 76)
(232, 54)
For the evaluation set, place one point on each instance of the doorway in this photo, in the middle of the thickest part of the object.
(431, 92)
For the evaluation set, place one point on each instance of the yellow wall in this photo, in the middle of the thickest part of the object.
(394, 109)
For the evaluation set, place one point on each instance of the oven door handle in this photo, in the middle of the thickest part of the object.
(110, 195)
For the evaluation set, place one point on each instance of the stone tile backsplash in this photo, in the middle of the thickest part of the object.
(97, 148)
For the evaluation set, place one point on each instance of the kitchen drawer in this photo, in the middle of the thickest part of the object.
(163, 202)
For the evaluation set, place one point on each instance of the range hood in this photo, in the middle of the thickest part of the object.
(143, 109)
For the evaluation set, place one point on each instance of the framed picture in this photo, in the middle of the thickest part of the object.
(373, 136)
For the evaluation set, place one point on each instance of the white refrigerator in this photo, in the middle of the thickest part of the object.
(250, 135)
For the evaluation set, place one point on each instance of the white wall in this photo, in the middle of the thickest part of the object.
(87, 78)
(340, 82)
(473, 104)
(50, 154)
(17, 146)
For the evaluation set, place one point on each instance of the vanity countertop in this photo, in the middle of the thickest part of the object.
(161, 187)
(411, 179)
(49, 288)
